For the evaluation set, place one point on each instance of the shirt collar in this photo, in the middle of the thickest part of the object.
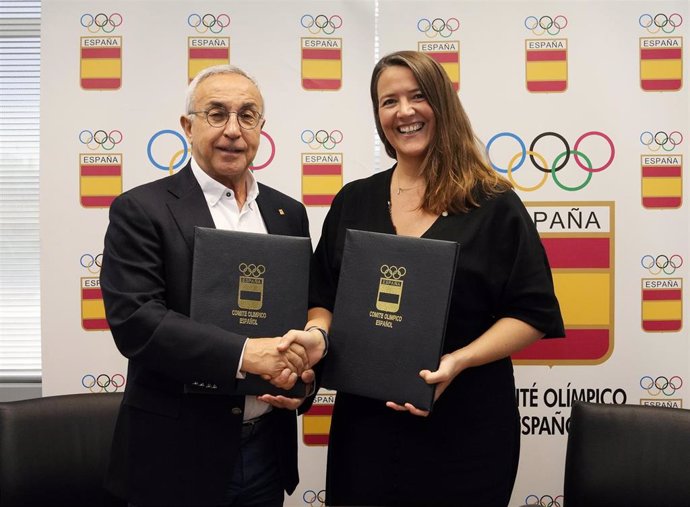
(214, 190)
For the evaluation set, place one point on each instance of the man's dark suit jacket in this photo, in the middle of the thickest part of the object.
(172, 448)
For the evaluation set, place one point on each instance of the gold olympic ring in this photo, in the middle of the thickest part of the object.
(173, 160)
(252, 270)
(393, 272)
(544, 177)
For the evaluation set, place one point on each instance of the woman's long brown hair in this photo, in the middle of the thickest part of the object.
(455, 168)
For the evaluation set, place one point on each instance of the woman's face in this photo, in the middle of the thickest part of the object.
(406, 117)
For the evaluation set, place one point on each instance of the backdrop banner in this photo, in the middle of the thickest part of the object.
(583, 105)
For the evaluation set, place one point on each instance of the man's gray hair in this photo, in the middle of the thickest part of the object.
(212, 71)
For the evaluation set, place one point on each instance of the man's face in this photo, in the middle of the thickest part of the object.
(224, 153)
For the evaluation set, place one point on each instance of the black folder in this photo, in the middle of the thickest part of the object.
(390, 315)
(251, 284)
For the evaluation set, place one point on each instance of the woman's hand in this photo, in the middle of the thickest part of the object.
(448, 369)
(281, 401)
(311, 341)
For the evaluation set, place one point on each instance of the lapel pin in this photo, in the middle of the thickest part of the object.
(280, 211)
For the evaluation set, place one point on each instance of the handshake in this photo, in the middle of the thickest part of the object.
(283, 360)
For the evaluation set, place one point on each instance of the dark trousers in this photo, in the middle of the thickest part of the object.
(255, 480)
(256, 477)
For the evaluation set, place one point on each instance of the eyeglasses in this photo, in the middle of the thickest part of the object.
(219, 116)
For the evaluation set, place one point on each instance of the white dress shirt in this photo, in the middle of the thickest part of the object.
(227, 215)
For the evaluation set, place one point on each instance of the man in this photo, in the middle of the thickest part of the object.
(172, 448)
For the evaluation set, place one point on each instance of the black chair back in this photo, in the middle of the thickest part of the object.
(54, 450)
(627, 456)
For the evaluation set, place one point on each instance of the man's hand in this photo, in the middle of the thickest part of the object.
(282, 367)
(312, 341)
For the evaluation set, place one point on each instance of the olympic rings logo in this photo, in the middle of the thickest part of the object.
(544, 501)
(546, 24)
(321, 139)
(100, 138)
(661, 263)
(103, 383)
(101, 22)
(93, 264)
(667, 24)
(179, 158)
(321, 23)
(252, 270)
(661, 140)
(559, 162)
(208, 22)
(310, 497)
(393, 272)
(438, 26)
(661, 384)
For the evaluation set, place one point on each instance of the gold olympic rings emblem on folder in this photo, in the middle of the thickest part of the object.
(393, 272)
(252, 270)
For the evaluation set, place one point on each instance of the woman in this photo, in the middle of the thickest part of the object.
(466, 451)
